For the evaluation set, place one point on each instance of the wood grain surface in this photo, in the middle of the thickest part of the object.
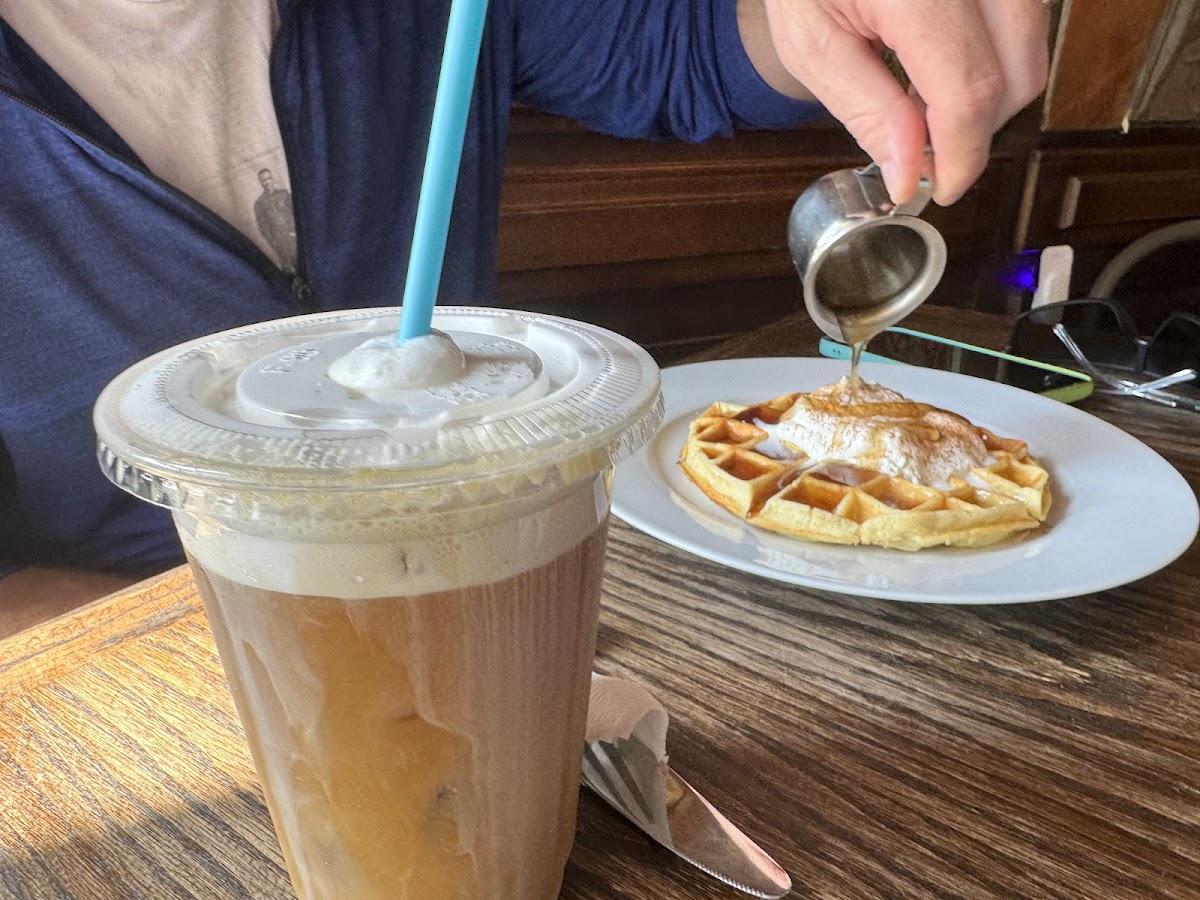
(876, 749)
(1101, 48)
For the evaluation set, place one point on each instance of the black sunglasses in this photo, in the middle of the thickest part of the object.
(1099, 335)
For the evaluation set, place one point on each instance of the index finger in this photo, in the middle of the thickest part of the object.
(948, 55)
(842, 71)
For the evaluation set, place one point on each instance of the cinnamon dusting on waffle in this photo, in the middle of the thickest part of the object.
(971, 487)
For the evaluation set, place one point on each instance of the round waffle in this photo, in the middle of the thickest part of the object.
(837, 501)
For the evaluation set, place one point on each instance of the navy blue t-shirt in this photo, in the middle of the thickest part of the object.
(102, 264)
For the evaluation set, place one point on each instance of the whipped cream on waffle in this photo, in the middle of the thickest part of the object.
(772, 446)
(876, 428)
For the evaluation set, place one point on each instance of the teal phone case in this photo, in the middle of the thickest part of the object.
(1067, 393)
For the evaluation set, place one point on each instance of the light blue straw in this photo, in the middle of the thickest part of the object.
(450, 107)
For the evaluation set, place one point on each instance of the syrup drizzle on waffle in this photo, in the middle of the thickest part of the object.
(841, 502)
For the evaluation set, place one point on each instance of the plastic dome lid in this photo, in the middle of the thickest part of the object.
(254, 413)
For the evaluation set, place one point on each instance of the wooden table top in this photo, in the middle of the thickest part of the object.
(875, 748)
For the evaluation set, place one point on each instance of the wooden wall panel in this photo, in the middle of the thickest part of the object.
(1091, 200)
(1168, 89)
(1101, 196)
(1099, 52)
(670, 242)
(570, 215)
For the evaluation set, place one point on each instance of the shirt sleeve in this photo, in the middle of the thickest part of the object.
(645, 68)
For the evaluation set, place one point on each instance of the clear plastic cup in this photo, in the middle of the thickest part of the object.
(403, 584)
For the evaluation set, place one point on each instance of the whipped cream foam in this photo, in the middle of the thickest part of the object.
(877, 428)
(398, 556)
(772, 446)
(342, 381)
(382, 363)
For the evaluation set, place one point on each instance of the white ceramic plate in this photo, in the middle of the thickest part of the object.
(1120, 510)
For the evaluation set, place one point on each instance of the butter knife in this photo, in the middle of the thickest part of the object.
(631, 775)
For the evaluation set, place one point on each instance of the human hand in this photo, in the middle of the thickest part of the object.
(972, 63)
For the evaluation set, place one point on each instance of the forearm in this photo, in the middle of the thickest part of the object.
(652, 68)
(36, 594)
(756, 36)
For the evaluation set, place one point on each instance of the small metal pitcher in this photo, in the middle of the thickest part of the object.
(865, 262)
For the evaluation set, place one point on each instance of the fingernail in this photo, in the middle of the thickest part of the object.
(946, 198)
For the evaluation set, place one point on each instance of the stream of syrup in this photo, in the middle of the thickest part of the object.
(857, 336)
(856, 350)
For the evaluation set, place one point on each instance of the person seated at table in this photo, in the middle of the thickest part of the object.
(174, 169)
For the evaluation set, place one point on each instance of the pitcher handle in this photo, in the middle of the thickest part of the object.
(917, 203)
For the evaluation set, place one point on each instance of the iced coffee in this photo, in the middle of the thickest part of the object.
(402, 579)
